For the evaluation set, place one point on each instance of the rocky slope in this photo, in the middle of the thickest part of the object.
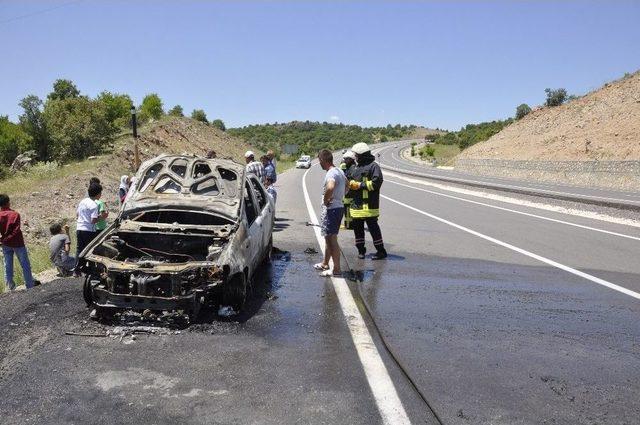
(602, 125)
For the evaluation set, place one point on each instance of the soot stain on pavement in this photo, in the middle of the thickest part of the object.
(128, 326)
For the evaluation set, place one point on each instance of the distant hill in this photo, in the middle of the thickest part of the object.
(602, 125)
(313, 136)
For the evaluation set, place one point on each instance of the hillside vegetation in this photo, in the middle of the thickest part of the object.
(313, 136)
(471, 134)
(69, 126)
(602, 125)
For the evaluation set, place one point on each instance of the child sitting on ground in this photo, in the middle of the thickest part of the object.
(59, 247)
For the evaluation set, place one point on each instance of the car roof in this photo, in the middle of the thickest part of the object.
(212, 185)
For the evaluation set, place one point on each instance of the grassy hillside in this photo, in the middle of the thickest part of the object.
(48, 193)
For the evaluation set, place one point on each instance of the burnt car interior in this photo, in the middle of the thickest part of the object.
(168, 240)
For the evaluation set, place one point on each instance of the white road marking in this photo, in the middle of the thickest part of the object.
(517, 212)
(521, 202)
(384, 392)
(522, 251)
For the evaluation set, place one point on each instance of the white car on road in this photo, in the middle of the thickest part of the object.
(304, 162)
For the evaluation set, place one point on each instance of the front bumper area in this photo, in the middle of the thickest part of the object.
(106, 299)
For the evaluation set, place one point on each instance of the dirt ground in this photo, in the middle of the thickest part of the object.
(603, 125)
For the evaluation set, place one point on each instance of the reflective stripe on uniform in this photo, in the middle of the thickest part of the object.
(364, 212)
(369, 185)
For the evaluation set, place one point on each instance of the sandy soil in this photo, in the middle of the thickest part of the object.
(603, 125)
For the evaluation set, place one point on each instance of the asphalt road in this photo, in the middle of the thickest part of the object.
(501, 313)
(390, 157)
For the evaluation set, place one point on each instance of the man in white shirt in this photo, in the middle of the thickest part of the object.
(253, 166)
(335, 184)
(88, 216)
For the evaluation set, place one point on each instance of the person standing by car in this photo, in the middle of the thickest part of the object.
(335, 185)
(364, 185)
(123, 189)
(269, 169)
(253, 166)
(87, 216)
(12, 242)
(272, 160)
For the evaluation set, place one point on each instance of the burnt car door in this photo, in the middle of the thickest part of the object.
(253, 244)
(265, 211)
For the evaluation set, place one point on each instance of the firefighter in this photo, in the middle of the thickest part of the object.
(364, 184)
(347, 166)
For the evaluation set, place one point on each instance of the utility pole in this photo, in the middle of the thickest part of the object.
(134, 126)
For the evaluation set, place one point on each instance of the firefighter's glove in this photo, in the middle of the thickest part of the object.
(354, 185)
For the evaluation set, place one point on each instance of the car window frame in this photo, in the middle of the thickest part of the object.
(257, 187)
(247, 185)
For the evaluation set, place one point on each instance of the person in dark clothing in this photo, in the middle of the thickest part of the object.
(364, 186)
(12, 242)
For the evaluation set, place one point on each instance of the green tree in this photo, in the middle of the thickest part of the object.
(219, 124)
(32, 122)
(63, 89)
(151, 107)
(522, 110)
(176, 111)
(199, 115)
(555, 97)
(13, 140)
(118, 107)
(78, 127)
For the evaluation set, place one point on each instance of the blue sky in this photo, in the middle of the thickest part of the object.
(439, 64)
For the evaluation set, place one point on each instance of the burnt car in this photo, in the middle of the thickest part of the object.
(191, 233)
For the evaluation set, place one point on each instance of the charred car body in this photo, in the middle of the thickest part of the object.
(192, 232)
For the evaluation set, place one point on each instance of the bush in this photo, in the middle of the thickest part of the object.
(78, 127)
(199, 115)
(32, 122)
(63, 89)
(151, 107)
(522, 111)
(472, 133)
(118, 108)
(427, 151)
(555, 97)
(13, 140)
(447, 139)
(176, 111)
(219, 124)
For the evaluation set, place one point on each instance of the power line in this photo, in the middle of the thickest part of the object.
(38, 12)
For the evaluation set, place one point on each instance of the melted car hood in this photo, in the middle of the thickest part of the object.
(227, 175)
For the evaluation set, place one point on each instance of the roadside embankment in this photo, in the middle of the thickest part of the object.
(619, 175)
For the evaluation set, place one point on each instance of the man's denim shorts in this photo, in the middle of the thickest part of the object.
(330, 220)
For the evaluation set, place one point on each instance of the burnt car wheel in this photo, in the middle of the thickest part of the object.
(267, 254)
(234, 292)
(86, 291)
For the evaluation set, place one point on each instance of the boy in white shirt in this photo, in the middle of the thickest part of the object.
(88, 216)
